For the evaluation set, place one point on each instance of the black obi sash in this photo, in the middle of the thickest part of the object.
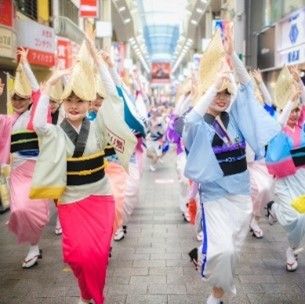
(24, 141)
(298, 156)
(82, 170)
(231, 157)
(109, 150)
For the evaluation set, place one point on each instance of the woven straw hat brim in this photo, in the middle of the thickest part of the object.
(55, 91)
(22, 86)
(211, 62)
(283, 88)
(81, 82)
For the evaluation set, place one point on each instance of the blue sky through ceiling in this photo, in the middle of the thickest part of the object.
(162, 23)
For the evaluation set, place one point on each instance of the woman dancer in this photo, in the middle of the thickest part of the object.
(75, 175)
(28, 217)
(215, 140)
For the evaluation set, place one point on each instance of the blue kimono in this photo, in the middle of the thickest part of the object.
(219, 167)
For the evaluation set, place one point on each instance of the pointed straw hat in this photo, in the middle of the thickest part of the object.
(283, 88)
(210, 63)
(55, 91)
(81, 82)
(22, 86)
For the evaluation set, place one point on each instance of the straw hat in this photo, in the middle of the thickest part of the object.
(283, 88)
(210, 63)
(55, 91)
(84, 55)
(22, 86)
(81, 82)
(256, 89)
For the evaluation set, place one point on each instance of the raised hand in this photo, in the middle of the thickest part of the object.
(1, 87)
(56, 75)
(257, 76)
(23, 53)
(229, 40)
(107, 58)
(295, 72)
(90, 40)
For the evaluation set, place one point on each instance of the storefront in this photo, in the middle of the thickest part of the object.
(7, 47)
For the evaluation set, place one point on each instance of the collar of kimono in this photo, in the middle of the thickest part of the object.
(79, 139)
(219, 127)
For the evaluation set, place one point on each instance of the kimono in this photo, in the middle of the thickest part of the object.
(217, 162)
(27, 217)
(285, 160)
(71, 168)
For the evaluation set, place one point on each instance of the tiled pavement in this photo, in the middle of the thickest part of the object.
(151, 265)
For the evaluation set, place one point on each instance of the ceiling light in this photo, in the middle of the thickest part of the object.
(204, 1)
(194, 22)
(199, 10)
(127, 20)
(123, 8)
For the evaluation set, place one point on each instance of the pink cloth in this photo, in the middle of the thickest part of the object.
(261, 186)
(6, 123)
(87, 230)
(117, 177)
(28, 217)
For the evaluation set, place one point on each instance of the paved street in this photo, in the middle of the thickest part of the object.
(151, 264)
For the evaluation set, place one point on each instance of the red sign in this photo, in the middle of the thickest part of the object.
(6, 12)
(41, 58)
(88, 8)
(64, 53)
(161, 72)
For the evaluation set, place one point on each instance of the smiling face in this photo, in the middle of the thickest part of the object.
(220, 103)
(294, 117)
(20, 104)
(75, 108)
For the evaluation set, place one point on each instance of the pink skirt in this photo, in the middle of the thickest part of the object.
(117, 177)
(261, 186)
(87, 230)
(28, 217)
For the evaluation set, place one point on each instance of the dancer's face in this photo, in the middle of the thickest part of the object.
(53, 106)
(20, 104)
(220, 103)
(75, 108)
(294, 117)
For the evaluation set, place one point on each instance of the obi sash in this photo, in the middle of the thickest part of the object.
(231, 157)
(85, 169)
(25, 143)
(109, 150)
(298, 156)
(82, 170)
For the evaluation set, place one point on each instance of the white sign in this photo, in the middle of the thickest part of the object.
(35, 36)
(7, 43)
(290, 41)
(103, 29)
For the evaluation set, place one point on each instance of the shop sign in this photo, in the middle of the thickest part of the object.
(7, 13)
(291, 39)
(64, 53)
(88, 8)
(7, 43)
(40, 42)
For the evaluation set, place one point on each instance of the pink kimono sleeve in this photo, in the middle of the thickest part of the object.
(5, 138)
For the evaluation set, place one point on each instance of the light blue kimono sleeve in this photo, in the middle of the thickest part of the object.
(255, 124)
(201, 165)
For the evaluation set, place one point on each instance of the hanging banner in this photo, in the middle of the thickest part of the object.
(88, 8)
(64, 53)
(161, 72)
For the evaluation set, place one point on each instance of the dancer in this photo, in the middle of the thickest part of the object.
(75, 174)
(215, 140)
(27, 217)
(285, 160)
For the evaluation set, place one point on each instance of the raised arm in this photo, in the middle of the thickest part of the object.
(27, 69)
(111, 67)
(291, 104)
(259, 79)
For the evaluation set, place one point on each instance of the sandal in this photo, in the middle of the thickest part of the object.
(193, 254)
